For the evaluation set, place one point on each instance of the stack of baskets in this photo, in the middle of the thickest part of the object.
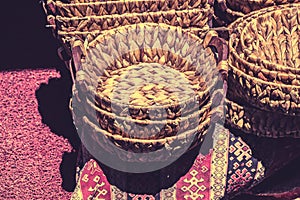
(158, 95)
(146, 75)
(264, 78)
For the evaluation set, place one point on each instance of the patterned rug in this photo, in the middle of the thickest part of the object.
(227, 169)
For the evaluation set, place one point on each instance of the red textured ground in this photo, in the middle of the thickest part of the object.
(30, 154)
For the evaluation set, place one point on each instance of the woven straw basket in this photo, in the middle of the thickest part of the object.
(263, 91)
(181, 124)
(264, 58)
(82, 19)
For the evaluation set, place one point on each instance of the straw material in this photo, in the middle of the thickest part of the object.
(248, 6)
(80, 19)
(176, 144)
(196, 18)
(171, 91)
(66, 37)
(230, 10)
(100, 8)
(264, 58)
(129, 127)
(261, 123)
(95, 79)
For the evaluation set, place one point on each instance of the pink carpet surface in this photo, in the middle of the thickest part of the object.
(30, 154)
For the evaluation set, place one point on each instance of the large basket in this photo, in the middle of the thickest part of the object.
(81, 19)
(89, 68)
(266, 80)
(195, 18)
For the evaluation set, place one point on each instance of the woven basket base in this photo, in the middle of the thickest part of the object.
(261, 123)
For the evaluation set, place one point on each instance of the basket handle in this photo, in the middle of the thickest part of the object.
(224, 8)
(77, 53)
(213, 40)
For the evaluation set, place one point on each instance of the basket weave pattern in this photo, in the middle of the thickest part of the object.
(87, 19)
(251, 5)
(263, 90)
(193, 123)
(268, 80)
(189, 18)
(230, 10)
(83, 26)
(100, 8)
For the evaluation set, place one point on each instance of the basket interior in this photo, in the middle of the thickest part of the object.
(274, 37)
(154, 67)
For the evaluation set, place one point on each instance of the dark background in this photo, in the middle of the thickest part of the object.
(25, 42)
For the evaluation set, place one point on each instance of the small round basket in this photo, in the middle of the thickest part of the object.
(264, 59)
(125, 78)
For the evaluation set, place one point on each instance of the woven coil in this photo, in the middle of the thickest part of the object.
(100, 8)
(196, 18)
(261, 123)
(92, 79)
(248, 6)
(68, 36)
(269, 81)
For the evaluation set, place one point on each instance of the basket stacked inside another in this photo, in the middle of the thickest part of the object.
(264, 73)
(146, 88)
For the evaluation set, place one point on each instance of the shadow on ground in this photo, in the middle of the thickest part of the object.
(53, 99)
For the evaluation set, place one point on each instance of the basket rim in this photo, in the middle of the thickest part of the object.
(183, 135)
(243, 22)
(62, 4)
(255, 68)
(204, 108)
(153, 13)
(258, 80)
(97, 32)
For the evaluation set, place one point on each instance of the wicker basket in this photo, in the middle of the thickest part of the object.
(71, 19)
(90, 69)
(267, 81)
